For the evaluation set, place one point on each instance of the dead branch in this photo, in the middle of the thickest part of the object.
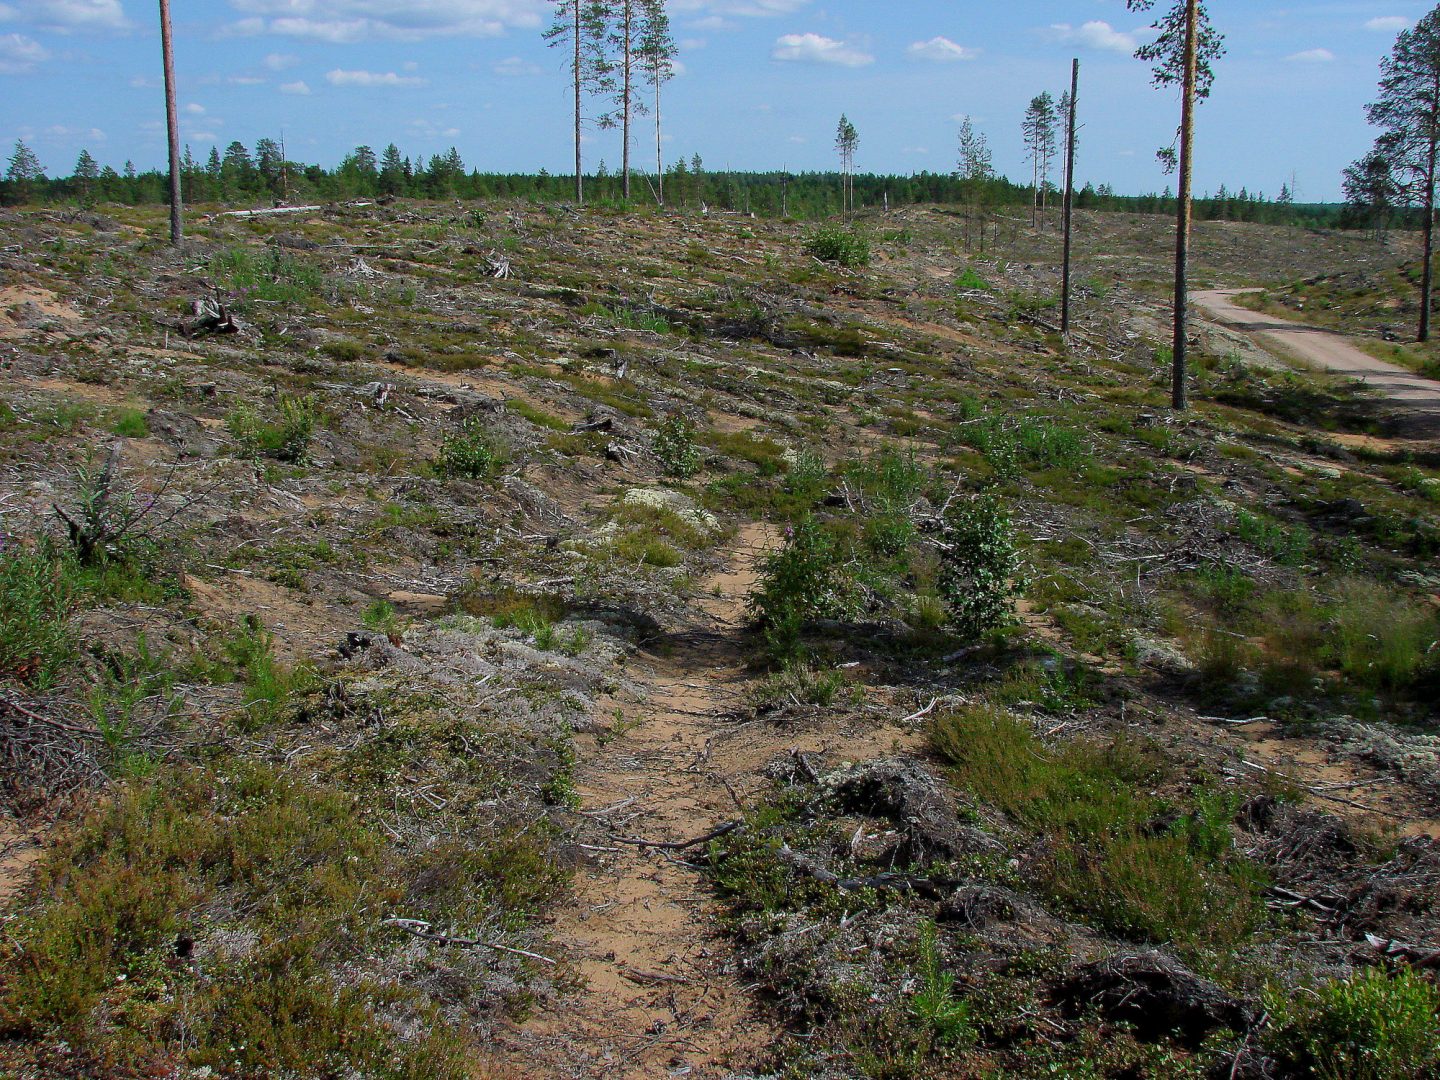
(36, 718)
(935, 888)
(680, 845)
(1415, 955)
(422, 929)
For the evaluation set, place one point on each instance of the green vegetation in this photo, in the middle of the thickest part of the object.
(801, 582)
(846, 247)
(267, 275)
(37, 594)
(474, 452)
(132, 940)
(674, 444)
(269, 685)
(287, 438)
(1376, 1025)
(129, 424)
(1095, 804)
(978, 567)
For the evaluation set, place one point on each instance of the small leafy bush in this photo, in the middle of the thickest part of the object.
(473, 452)
(674, 444)
(286, 439)
(843, 246)
(1372, 1026)
(979, 566)
(803, 581)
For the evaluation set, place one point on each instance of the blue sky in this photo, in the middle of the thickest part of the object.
(763, 83)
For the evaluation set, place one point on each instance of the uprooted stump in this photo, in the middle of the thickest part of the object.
(905, 793)
(1158, 995)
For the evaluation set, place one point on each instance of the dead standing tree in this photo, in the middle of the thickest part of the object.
(172, 121)
(1070, 103)
(1182, 55)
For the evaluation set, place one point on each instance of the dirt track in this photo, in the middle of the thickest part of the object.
(1416, 398)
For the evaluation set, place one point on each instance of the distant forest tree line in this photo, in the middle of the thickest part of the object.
(238, 175)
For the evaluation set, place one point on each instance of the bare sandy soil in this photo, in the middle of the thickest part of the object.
(1414, 396)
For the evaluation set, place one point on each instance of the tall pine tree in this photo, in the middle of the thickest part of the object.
(1407, 112)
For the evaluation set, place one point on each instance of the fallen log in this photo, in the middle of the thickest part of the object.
(272, 211)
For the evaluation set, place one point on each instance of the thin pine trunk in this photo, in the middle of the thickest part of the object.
(1069, 193)
(579, 164)
(1179, 394)
(625, 106)
(1427, 272)
(659, 144)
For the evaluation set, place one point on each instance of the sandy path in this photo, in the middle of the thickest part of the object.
(1416, 398)
(660, 995)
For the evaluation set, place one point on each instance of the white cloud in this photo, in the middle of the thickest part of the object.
(245, 80)
(1097, 35)
(1311, 56)
(513, 67)
(145, 82)
(66, 16)
(739, 8)
(280, 61)
(1388, 24)
(941, 50)
(7, 13)
(300, 88)
(916, 150)
(370, 78)
(817, 49)
(346, 21)
(19, 55)
(59, 131)
(195, 109)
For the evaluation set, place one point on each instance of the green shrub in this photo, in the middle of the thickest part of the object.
(978, 567)
(674, 444)
(473, 452)
(1372, 1026)
(799, 683)
(382, 617)
(1095, 804)
(968, 279)
(803, 581)
(1381, 640)
(129, 424)
(269, 275)
(269, 684)
(237, 855)
(37, 594)
(843, 246)
(286, 439)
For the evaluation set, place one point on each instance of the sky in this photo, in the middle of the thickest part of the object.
(762, 84)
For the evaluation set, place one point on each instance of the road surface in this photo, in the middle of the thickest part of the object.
(1416, 398)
